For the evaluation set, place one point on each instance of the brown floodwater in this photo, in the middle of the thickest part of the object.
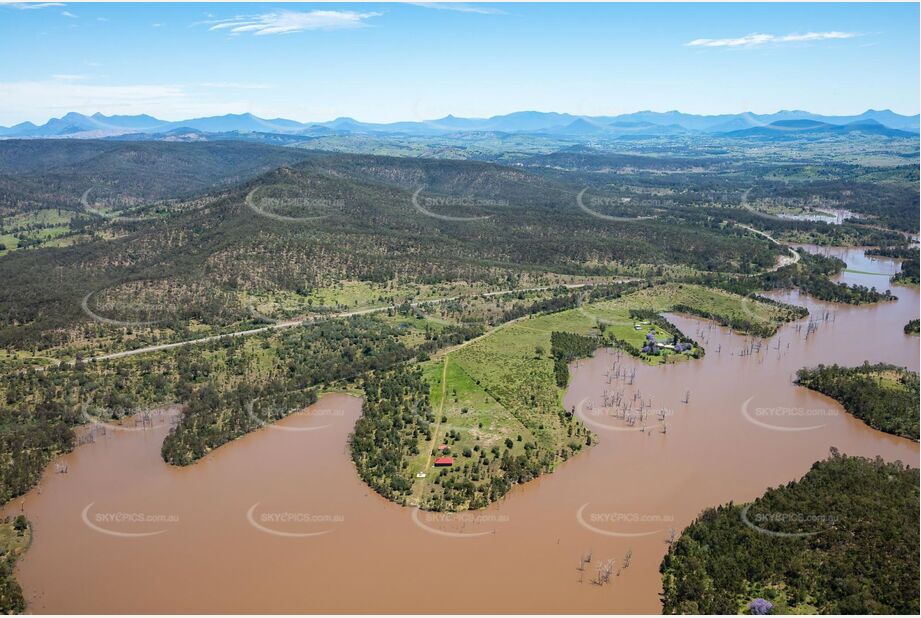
(278, 522)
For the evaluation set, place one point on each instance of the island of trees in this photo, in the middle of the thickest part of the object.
(883, 396)
(841, 540)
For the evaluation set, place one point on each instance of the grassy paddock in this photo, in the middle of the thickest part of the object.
(732, 308)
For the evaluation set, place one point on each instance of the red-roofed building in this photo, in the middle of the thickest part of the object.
(444, 461)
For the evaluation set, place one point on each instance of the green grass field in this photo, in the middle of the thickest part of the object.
(664, 298)
(48, 228)
(495, 393)
(9, 242)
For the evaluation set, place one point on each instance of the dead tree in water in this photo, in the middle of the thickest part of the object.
(811, 328)
(605, 570)
(672, 537)
(586, 558)
(628, 557)
(687, 396)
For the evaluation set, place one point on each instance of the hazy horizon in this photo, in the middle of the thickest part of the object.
(386, 62)
(520, 111)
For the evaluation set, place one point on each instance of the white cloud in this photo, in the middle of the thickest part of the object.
(235, 85)
(68, 14)
(460, 7)
(25, 6)
(68, 77)
(287, 22)
(754, 40)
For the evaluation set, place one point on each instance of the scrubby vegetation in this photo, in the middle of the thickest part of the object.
(883, 396)
(276, 372)
(15, 537)
(908, 273)
(324, 354)
(28, 441)
(395, 414)
(841, 540)
(812, 278)
(212, 419)
(913, 327)
(810, 275)
(902, 252)
(567, 347)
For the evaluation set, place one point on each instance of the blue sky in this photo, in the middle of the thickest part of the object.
(386, 62)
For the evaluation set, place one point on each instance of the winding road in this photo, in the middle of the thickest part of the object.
(782, 262)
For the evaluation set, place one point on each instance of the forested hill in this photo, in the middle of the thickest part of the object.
(56, 173)
(334, 217)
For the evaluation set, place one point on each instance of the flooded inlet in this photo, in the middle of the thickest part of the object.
(278, 521)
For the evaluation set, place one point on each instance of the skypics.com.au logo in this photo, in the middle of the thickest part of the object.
(289, 204)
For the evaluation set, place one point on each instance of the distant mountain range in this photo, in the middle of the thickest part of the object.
(782, 124)
(805, 127)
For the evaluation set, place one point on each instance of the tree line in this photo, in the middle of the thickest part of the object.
(883, 396)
